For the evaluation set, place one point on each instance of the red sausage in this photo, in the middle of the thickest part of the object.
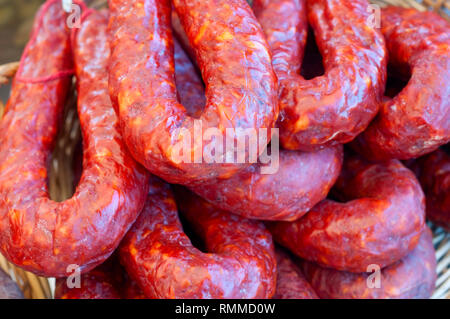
(434, 176)
(412, 277)
(300, 181)
(379, 221)
(235, 63)
(36, 233)
(240, 262)
(101, 282)
(291, 284)
(336, 107)
(303, 179)
(417, 120)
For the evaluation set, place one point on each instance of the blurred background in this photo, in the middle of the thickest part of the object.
(16, 19)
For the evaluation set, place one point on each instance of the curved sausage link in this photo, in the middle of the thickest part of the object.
(412, 277)
(102, 282)
(339, 105)
(302, 180)
(240, 262)
(417, 120)
(235, 63)
(379, 221)
(434, 177)
(291, 283)
(36, 233)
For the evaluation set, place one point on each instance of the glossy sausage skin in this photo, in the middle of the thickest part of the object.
(303, 179)
(291, 283)
(240, 262)
(337, 106)
(235, 63)
(378, 221)
(412, 277)
(8, 288)
(102, 282)
(300, 181)
(434, 176)
(417, 120)
(36, 233)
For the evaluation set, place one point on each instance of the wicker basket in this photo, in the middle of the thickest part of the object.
(61, 177)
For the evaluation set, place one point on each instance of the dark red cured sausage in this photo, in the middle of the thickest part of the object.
(339, 105)
(160, 257)
(109, 280)
(235, 63)
(303, 179)
(434, 176)
(412, 277)
(417, 120)
(300, 181)
(8, 288)
(380, 223)
(37, 233)
(291, 284)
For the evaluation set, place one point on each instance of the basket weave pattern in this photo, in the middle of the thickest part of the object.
(61, 176)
